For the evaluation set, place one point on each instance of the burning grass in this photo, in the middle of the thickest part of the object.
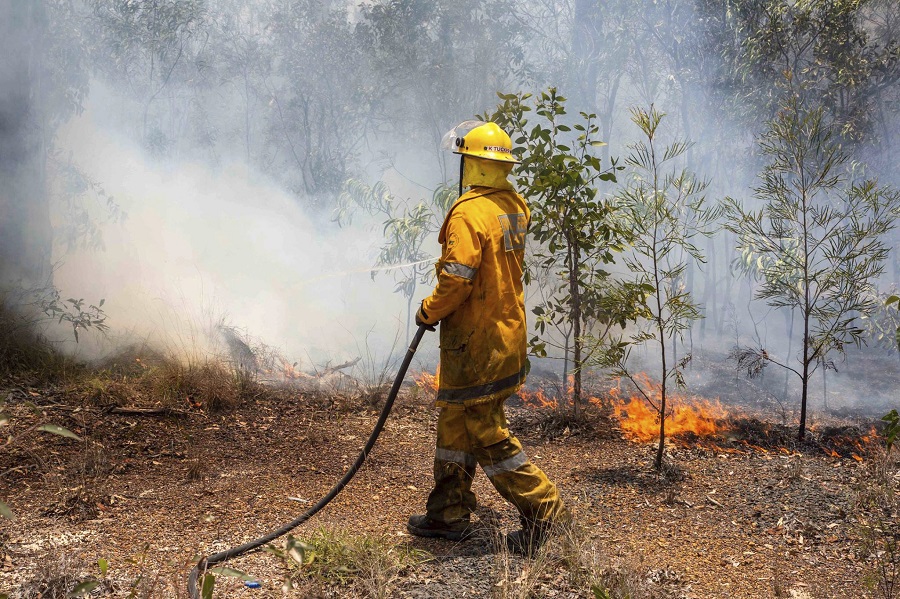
(540, 398)
(686, 416)
(853, 442)
(428, 382)
(637, 417)
(692, 421)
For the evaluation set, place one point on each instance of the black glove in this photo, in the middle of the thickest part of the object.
(420, 315)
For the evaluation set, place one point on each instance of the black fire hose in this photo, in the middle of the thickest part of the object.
(217, 558)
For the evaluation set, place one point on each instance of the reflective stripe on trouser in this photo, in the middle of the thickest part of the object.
(479, 433)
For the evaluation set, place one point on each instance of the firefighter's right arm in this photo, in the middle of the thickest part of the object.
(460, 260)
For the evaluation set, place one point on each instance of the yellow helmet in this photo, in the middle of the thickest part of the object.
(486, 140)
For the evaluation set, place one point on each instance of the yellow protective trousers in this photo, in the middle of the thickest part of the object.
(478, 434)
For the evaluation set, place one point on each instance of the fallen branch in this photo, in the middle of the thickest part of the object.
(713, 501)
(332, 369)
(127, 411)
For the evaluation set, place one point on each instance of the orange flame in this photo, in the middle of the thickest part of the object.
(640, 421)
(541, 398)
(427, 381)
(538, 399)
(848, 446)
(290, 371)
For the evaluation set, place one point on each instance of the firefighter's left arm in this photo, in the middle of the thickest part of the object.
(460, 260)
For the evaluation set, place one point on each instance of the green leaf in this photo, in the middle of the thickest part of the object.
(598, 144)
(224, 571)
(6, 512)
(892, 430)
(103, 564)
(206, 590)
(58, 430)
(83, 589)
(296, 550)
(600, 593)
(894, 299)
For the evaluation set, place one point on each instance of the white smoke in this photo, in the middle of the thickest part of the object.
(201, 244)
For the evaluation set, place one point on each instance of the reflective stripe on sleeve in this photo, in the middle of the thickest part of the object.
(460, 270)
(507, 465)
(457, 457)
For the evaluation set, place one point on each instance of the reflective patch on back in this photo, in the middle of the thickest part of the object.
(514, 228)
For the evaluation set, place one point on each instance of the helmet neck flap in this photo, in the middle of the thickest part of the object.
(478, 172)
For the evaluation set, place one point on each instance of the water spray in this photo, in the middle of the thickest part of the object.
(217, 558)
(390, 267)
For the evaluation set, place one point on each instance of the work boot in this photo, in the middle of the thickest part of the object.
(527, 540)
(423, 526)
(533, 534)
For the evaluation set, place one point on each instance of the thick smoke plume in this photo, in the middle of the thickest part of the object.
(203, 246)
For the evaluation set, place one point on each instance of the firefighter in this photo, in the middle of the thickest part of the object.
(479, 302)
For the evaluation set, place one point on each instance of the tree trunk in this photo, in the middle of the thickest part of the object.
(565, 377)
(575, 295)
(25, 230)
(410, 317)
(805, 378)
(662, 404)
(665, 373)
(585, 40)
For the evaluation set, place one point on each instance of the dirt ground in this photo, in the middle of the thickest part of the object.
(750, 514)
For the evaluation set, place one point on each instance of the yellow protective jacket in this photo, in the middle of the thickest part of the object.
(479, 298)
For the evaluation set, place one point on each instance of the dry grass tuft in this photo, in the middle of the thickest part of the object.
(106, 392)
(878, 513)
(57, 575)
(171, 384)
(572, 554)
(369, 564)
(208, 385)
(22, 350)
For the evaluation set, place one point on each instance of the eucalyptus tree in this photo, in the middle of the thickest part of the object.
(43, 81)
(436, 64)
(573, 227)
(842, 53)
(883, 29)
(665, 210)
(243, 52)
(151, 47)
(586, 48)
(320, 97)
(817, 241)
